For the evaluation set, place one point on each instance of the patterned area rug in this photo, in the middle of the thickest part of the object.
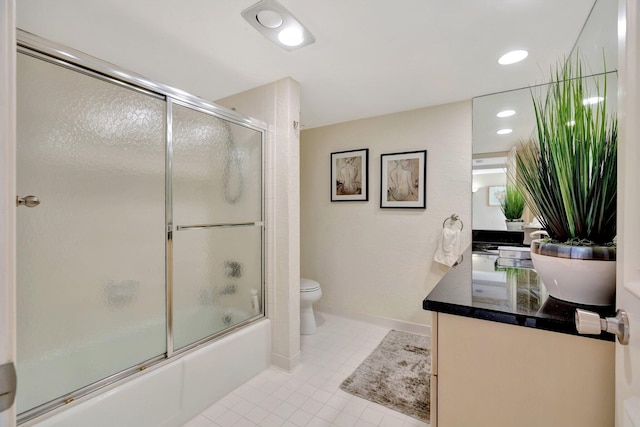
(396, 375)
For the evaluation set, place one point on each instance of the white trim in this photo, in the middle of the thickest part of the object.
(628, 128)
(289, 364)
(399, 325)
(7, 191)
(627, 362)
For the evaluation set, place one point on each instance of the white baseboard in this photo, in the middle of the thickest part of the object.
(289, 364)
(399, 325)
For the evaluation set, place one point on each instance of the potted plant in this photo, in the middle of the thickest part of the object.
(569, 177)
(512, 206)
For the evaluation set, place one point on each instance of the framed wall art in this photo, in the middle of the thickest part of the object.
(404, 180)
(497, 194)
(350, 175)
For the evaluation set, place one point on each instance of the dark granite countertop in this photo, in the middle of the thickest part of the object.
(478, 288)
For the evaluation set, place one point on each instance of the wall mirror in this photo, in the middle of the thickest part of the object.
(493, 144)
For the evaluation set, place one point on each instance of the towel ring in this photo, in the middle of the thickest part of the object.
(453, 218)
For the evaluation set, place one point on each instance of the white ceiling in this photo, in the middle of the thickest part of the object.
(371, 57)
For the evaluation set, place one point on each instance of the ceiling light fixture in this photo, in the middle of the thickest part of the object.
(278, 25)
(593, 100)
(487, 171)
(513, 57)
(506, 113)
(504, 131)
(291, 36)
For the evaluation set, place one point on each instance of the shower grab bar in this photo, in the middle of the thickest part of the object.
(206, 226)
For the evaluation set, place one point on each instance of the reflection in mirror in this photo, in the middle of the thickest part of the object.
(599, 37)
(491, 148)
(493, 151)
(512, 110)
(501, 122)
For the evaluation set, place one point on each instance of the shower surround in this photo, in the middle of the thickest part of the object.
(195, 366)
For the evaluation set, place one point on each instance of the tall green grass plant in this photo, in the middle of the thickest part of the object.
(513, 203)
(569, 173)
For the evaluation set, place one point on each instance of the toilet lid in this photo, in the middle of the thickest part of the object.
(308, 285)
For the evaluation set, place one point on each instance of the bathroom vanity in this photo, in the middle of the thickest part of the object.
(504, 353)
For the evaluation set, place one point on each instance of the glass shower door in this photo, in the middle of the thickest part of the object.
(91, 255)
(217, 218)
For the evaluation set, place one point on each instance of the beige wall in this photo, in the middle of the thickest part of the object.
(379, 262)
(278, 105)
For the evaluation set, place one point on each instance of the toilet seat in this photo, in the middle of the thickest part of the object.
(307, 285)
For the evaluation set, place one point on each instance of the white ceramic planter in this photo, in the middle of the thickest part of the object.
(572, 275)
(514, 225)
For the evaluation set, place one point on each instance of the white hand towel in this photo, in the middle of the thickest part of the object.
(448, 250)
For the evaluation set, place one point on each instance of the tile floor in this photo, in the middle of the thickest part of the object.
(310, 396)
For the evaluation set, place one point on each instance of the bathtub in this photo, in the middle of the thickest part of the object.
(175, 391)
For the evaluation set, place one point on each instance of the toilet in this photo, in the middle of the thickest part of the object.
(310, 292)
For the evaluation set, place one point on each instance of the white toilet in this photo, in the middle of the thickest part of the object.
(310, 292)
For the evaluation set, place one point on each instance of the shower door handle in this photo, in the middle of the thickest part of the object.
(225, 225)
(28, 201)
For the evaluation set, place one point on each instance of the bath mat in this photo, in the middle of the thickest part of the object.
(396, 375)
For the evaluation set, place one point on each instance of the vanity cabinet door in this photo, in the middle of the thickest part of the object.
(493, 374)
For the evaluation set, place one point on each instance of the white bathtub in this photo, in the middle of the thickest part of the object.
(177, 391)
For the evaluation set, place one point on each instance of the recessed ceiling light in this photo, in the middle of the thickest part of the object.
(269, 18)
(513, 57)
(592, 100)
(505, 113)
(504, 131)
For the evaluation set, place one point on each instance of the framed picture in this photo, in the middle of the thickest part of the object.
(404, 180)
(497, 194)
(350, 175)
